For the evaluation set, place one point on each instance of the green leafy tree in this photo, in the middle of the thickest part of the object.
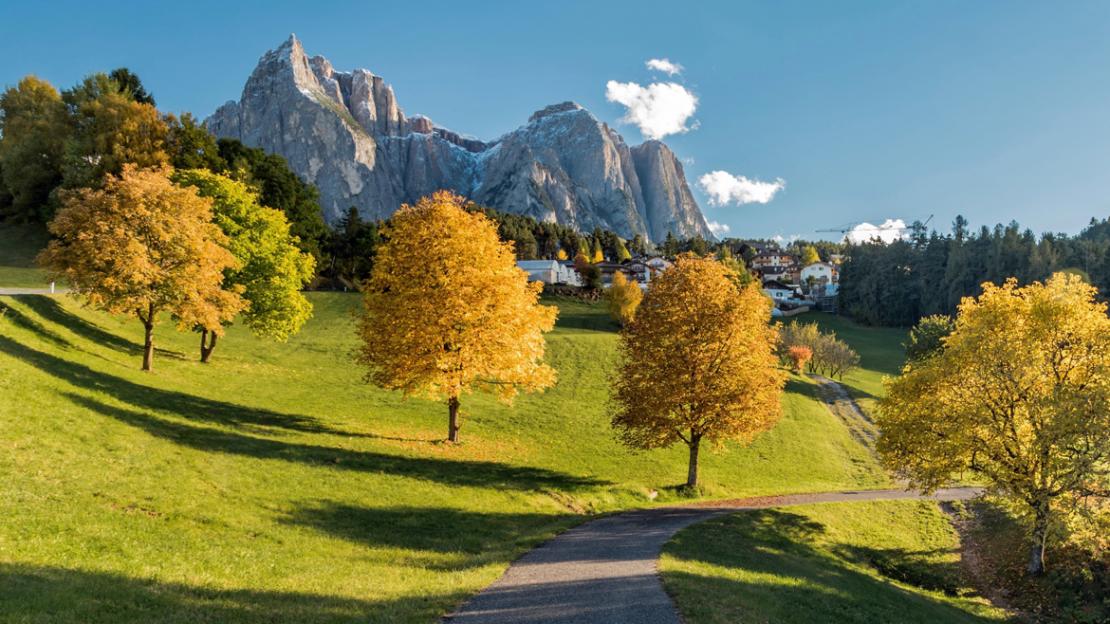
(32, 142)
(191, 146)
(352, 247)
(622, 252)
(740, 273)
(670, 245)
(927, 337)
(280, 188)
(130, 85)
(108, 129)
(271, 269)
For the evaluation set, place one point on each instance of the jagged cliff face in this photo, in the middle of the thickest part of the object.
(345, 133)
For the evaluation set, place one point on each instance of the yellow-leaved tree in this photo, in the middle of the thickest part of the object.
(143, 246)
(624, 296)
(1018, 394)
(698, 362)
(447, 311)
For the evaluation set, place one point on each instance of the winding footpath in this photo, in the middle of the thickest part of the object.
(606, 570)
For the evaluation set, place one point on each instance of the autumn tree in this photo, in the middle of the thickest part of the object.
(141, 245)
(109, 129)
(799, 356)
(1019, 396)
(809, 255)
(270, 271)
(447, 311)
(597, 255)
(698, 363)
(561, 255)
(623, 297)
(32, 139)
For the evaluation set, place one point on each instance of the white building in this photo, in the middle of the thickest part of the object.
(821, 272)
(780, 292)
(550, 272)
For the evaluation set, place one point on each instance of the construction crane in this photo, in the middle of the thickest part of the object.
(852, 226)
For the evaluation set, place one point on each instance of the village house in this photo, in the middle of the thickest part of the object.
(773, 264)
(821, 273)
(780, 292)
(550, 272)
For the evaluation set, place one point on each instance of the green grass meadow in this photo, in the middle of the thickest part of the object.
(888, 561)
(880, 349)
(274, 485)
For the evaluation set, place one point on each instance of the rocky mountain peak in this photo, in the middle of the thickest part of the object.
(555, 109)
(346, 133)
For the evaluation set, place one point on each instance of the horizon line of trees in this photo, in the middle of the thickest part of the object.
(929, 273)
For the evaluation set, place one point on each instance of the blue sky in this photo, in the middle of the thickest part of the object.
(868, 111)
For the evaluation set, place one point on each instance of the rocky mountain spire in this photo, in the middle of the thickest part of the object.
(346, 133)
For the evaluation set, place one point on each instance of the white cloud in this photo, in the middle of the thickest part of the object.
(780, 239)
(689, 160)
(718, 228)
(725, 188)
(665, 66)
(888, 232)
(659, 109)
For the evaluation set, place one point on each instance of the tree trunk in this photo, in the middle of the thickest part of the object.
(207, 349)
(453, 422)
(148, 343)
(1040, 538)
(692, 473)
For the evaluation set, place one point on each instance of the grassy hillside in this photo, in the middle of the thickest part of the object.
(891, 561)
(880, 350)
(273, 485)
(18, 246)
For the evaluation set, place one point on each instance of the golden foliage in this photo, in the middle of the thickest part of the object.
(142, 246)
(799, 355)
(448, 311)
(561, 255)
(624, 297)
(1019, 395)
(698, 362)
(809, 255)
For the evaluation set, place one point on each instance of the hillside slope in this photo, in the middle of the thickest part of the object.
(273, 485)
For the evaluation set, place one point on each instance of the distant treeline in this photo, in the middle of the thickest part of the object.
(929, 273)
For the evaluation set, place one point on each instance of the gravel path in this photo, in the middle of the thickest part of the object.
(605, 570)
(843, 406)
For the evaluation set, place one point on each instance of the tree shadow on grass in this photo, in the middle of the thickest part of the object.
(22, 321)
(49, 309)
(35, 593)
(791, 579)
(446, 471)
(483, 537)
(185, 405)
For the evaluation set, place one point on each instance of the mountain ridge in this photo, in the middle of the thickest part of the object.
(346, 133)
